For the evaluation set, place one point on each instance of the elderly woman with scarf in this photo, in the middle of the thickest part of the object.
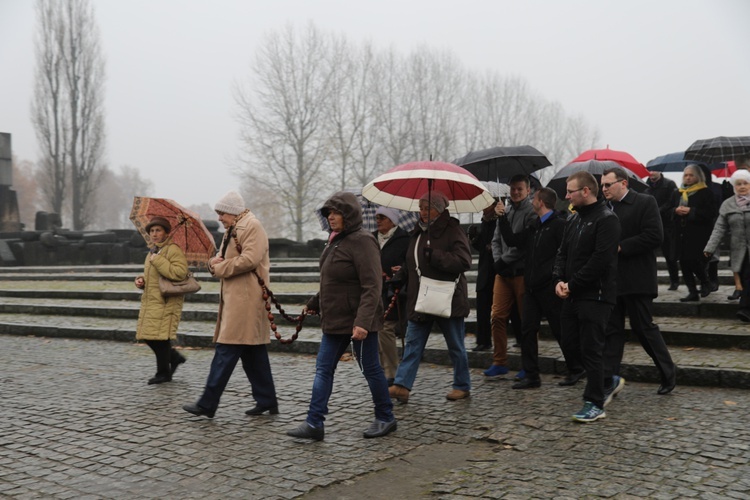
(694, 214)
(734, 217)
(447, 257)
(159, 316)
(351, 312)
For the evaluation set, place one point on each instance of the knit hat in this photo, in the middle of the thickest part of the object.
(437, 200)
(159, 221)
(740, 173)
(388, 212)
(231, 203)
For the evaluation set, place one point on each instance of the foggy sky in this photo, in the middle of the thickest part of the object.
(652, 76)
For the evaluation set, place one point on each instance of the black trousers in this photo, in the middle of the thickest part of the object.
(537, 304)
(165, 356)
(694, 268)
(484, 317)
(257, 368)
(584, 323)
(669, 258)
(639, 311)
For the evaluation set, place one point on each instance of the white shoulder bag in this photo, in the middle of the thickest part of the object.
(435, 296)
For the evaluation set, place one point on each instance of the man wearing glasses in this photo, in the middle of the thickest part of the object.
(585, 271)
(641, 234)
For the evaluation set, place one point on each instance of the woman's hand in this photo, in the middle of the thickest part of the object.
(682, 210)
(359, 333)
(215, 260)
(140, 282)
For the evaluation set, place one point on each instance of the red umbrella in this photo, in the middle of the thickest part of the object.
(402, 187)
(621, 157)
(726, 171)
(188, 230)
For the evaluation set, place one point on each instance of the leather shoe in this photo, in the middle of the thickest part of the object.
(457, 394)
(705, 291)
(481, 347)
(197, 410)
(378, 429)
(572, 379)
(665, 388)
(673, 286)
(528, 383)
(691, 297)
(307, 431)
(744, 315)
(176, 362)
(399, 393)
(260, 410)
(736, 294)
(159, 379)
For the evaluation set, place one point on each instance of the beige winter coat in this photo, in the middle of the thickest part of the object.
(159, 316)
(243, 318)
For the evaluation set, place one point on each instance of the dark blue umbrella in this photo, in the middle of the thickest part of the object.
(673, 162)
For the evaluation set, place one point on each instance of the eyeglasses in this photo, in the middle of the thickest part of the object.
(574, 190)
(607, 185)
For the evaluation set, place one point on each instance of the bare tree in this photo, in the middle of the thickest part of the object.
(67, 109)
(114, 197)
(285, 133)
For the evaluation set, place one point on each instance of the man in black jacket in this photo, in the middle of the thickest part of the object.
(663, 190)
(480, 238)
(640, 236)
(540, 241)
(585, 271)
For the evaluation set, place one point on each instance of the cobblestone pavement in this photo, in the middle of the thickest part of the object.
(79, 421)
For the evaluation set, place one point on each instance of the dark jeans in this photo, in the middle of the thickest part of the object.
(165, 356)
(584, 323)
(639, 311)
(484, 316)
(257, 368)
(332, 347)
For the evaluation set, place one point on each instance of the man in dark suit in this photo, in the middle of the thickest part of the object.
(480, 238)
(663, 190)
(641, 234)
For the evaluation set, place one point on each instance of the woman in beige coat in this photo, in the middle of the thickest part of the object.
(159, 315)
(242, 330)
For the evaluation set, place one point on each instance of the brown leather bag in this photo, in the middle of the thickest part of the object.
(170, 288)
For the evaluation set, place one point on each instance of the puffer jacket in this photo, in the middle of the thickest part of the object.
(159, 316)
(351, 278)
(737, 222)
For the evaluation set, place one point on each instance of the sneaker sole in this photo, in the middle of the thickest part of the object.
(588, 420)
(615, 392)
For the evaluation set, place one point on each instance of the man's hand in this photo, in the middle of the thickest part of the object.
(562, 290)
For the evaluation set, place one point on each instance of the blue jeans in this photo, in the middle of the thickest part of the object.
(257, 368)
(332, 347)
(416, 338)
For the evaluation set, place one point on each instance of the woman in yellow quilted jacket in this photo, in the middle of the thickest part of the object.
(159, 315)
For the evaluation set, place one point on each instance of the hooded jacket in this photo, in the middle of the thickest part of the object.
(351, 278)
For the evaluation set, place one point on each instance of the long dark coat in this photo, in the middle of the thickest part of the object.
(393, 254)
(641, 233)
(691, 232)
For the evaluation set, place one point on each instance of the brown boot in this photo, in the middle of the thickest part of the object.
(457, 394)
(399, 393)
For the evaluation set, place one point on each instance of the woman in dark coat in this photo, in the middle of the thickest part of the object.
(694, 214)
(351, 311)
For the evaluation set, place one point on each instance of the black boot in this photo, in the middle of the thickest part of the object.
(691, 297)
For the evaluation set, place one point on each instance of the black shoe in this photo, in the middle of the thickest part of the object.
(306, 431)
(744, 315)
(159, 379)
(176, 361)
(673, 286)
(705, 291)
(379, 429)
(714, 286)
(528, 383)
(197, 410)
(665, 388)
(260, 410)
(691, 297)
(736, 294)
(482, 347)
(572, 379)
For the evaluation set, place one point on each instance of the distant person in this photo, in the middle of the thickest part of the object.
(159, 316)
(242, 328)
(351, 313)
(693, 221)
(734, 218)
(664, 191)
(585, 271)
(480, 238)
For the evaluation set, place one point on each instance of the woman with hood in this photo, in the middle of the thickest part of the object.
(351, 312)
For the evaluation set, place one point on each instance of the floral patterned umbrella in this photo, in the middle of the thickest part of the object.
(188, 231)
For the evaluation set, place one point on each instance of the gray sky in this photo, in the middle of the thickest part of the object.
(652, 76)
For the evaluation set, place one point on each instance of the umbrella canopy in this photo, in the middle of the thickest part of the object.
(499, 164)
(406, 220)
(718, 149)
(188, 230)
(595, 168)
(676, 162)
(402, 187)
(624, 159)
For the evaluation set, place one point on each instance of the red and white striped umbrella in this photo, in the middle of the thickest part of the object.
(402, 187)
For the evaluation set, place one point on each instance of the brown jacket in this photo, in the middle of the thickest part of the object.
(242, 315)
(350, 274)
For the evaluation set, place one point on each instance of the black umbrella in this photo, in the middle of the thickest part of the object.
(718, 149)
(596, 168)
(499, 164)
